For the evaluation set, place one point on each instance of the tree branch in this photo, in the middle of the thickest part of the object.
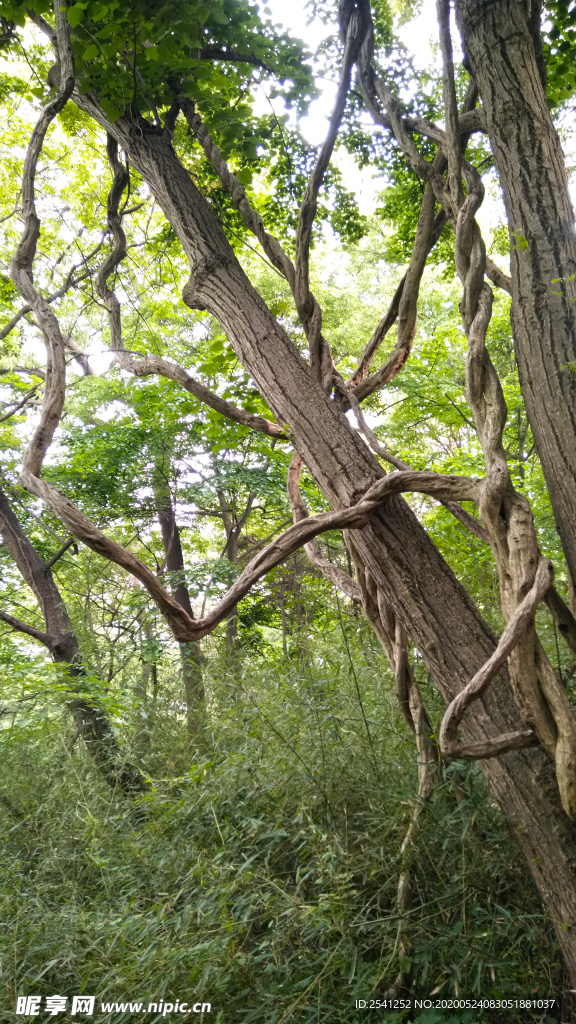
(254, 222)
(145, 366)
(32, 371)
(498, 277)
(61, 551)
(183, 627)
(426, 237)
(453, 148)
(467, 520)
(23, 627)
(251, 218)
(22, 262)
(355, 24)
(562, 616)
(19, 405)
(428, 231)
(385, 325)
(70, 282)
(216, 53)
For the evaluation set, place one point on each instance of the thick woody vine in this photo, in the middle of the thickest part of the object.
(524, 576)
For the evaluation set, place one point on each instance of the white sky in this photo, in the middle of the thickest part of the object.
(417, 35)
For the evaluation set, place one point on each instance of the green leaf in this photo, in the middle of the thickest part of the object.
(97, 11)
(110, 110)
(219, 17)
(91, 52)
(521, 242)
(75, 15)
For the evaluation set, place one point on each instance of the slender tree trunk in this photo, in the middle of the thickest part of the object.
(284, 629)
(231, 553)
(429, 601)
(142, 693)
(232, 620)
(190, 656)
(60, 639)
(142, 684)
(233, 524)
(504, 58)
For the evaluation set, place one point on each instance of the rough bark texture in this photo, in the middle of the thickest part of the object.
(429, 601)
(500, 49)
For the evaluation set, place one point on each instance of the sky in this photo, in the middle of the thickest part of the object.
(418, 35)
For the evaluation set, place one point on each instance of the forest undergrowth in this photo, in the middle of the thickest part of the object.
(259, 871)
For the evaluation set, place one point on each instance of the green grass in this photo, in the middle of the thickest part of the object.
(260, 873)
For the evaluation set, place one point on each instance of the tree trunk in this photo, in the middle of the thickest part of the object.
(60, 639)
(429, 601)
(231, 553)
(232, 620)
(190, 656)
(504, 59)
(148, 676)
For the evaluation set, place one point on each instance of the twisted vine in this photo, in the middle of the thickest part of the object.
(505, 514)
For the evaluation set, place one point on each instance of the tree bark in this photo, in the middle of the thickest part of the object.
(190, 657)
(61, 640)
(500, 48)
(429, 601)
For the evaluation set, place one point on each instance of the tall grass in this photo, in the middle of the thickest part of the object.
(259, 874)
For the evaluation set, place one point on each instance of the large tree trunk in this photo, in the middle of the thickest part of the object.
(60, 639)
(503, 56)
(190, 656)
(435, 609)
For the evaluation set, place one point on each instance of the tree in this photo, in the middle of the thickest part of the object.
(141, 84)
(61, 641)
(174, 563)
